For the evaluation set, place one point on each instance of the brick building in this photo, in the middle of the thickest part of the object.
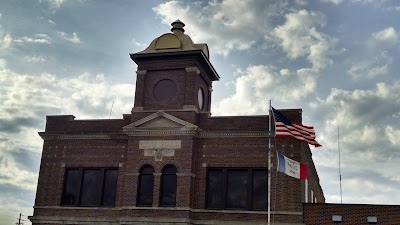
(169, 161)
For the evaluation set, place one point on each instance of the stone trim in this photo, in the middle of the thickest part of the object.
(141, 72)
(197, 133)
(213, 134)
(161, 133)
(185, 128)
(190, 131)
(190, 108)
(193, 69)
(173, 209)
(57, 136)
(157, 115)
(185, 175)
(141, 220)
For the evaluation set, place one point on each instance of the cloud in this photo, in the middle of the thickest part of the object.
(73, 38)
(37, 38)
(335, 2)
(370, 67)
(5, 41)
(53, 4)
(384, 39)
(369, 134)
(225, 25)
(299, 37)
(52, 22)
(367, 119)
(25, 102)
(35, 59)
(258, 81)
(393, 135)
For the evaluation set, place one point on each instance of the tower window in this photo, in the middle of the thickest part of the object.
(200, 98)
(165, 90)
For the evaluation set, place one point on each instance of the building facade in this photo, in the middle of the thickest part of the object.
(170, 161)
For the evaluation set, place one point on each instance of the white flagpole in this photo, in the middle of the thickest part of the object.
(269, 164)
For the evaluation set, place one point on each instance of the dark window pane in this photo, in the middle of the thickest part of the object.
(260, 189)
(91, 187)
(236, 189)
(146, 183)
(72, 185)
(170, 170)
(110, 187)
(168, 186)
(165, 90)
(168, 195)
(214, 189)
(147, 170)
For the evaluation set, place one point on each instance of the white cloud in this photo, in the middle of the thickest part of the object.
(73, 38)
(54, 4)
(371, 67)
(299, 37)
(385, 38)
(363, 116)
(5, 41)
(35, 59)
(393, 135)
(25, 101)
(52, 22)
(335, 2)
(226, 25)
(37, 38)
(258, 81)
(369, 135)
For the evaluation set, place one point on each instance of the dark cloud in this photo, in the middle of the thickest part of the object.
(13, 193)
(14, 125)
(26, 160)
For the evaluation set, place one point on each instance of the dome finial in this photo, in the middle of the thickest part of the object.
(177, 26)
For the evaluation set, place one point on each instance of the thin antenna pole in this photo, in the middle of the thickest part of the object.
(269, 164)
(111, 109)
(19, 220)
(340, 173)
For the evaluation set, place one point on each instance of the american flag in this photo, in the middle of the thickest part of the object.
(285, 128)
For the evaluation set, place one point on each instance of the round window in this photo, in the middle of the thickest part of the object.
(200, 98)
(164, 90)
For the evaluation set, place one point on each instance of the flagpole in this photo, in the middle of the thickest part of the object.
(340, 173)
(269, 164)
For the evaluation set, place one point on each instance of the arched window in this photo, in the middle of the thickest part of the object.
(168, 186)
(145, 186)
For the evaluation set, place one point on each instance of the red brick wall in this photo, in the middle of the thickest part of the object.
(352, 214)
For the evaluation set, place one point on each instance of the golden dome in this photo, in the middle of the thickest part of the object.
(175, 42)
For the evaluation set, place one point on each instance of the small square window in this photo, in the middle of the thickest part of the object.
(337, 218)
(372, 219)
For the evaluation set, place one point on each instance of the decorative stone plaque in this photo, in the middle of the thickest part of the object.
(159, 148)
(160, 144)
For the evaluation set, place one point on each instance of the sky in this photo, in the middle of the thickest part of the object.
(334, 59)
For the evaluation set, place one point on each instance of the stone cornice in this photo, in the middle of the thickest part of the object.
(223, 134)
(62, 136)
(154, 132)
(172, 209)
